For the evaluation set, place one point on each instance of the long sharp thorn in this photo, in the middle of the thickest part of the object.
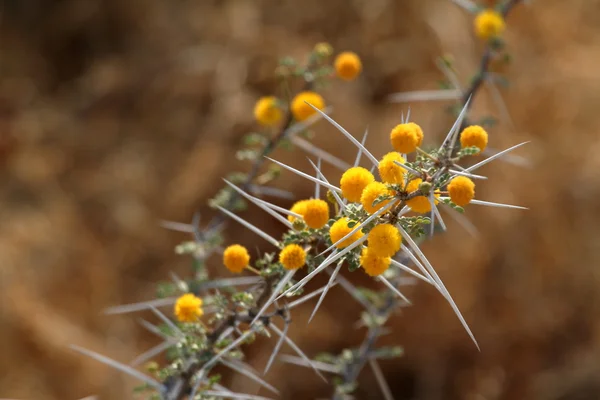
(286, 278)
(387, 283)
(410, 271)
(329, 284)
(297, 286)
(498, 205)
(409, 169)
(302, 174)
(316, 151)
(432, 215)
(299, 127)
(385, 389)
(177, 226)
(121, 367)
(167, 321)
(408, 115)
(309, 296)
(500, 154)
(355, 293)
(347, 134)
(230, 346)
(260, 204)
(293, 345)
(276, 348)
(152, 328)
(425, 95)
(467, 174)
(258, 190)
(248, 225)
(249, 374)
(154, 351)
(317, 186)
(317, 364)
(358, 227)
(328, 261)
(442, 288)
(143, 305)
(438, 215)
(454, 131)
(233, 395)
(359, 154)
(334, 193)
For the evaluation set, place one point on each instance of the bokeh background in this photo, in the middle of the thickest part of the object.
(115, 114)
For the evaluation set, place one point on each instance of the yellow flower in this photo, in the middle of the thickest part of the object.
(323, 49)
(266, 111)
(389, 171)
(188, 308)
(347, 65)
(373, 264)
(292, 257)
(236, 258)
(489, 24)
(353, 182)
(316, 213)
(384, 240)
(462, 190)
(474, 135)
(340, 229)
(419, 204)
(301, 110)
(299, 207)
(370, 193)
(407, 137)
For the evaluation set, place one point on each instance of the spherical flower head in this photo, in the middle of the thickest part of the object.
(407, 137)
(236, 258)
(384, 240)
(462, 190)
(419, 204)
(266, 111)
(489, 24)
(339, 229)
(188, 308)
(316, 213)
(354, 181)
(347, 65)
(323, 49)
(372, 263)
(474, 135)
(389, 171)
(372, 191)
(292, 257)
(299, 207)
(301, 110)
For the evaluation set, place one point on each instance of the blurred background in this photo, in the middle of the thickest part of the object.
(116, 114)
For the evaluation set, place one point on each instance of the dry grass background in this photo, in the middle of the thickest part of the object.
(114, 114)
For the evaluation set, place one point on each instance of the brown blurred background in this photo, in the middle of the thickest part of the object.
(115, 114)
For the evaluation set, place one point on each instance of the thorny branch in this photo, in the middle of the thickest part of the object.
(352, 371)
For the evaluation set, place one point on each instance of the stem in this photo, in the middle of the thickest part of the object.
(353, 370)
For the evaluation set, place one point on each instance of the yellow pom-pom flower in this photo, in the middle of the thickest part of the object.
(474, 135)
(299, 207)
(347, 65)
(372, 263)
(188, 308)
(372, 191)
(316, 213)
(301, 110)
(266, 111)
(462, 190)
(407, 137)
(292, 257)
(389, 171)
(339, 229)
(384, 240)
(323, 49)
(489, 24)
(419, 204)
(236, 258)
(354, 181)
